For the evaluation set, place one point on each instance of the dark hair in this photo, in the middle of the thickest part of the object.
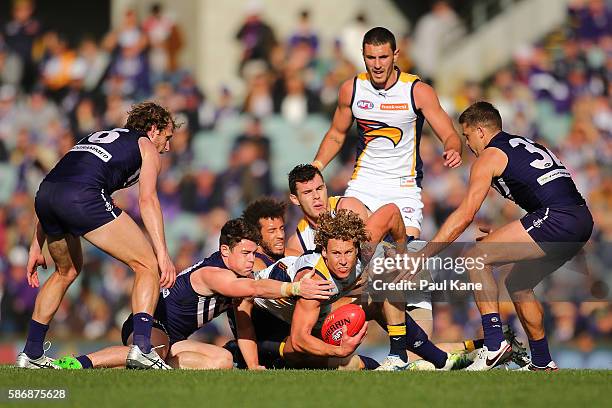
(236, 230)
(379, 36)
(265, 207)
(344, 225)
(144, 115)
(481, 113)
(301, 174)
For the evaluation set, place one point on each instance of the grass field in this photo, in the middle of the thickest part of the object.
(115, 388)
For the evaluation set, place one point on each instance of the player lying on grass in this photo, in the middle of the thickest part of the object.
(346, 249)
(201, 293)
(536, 180)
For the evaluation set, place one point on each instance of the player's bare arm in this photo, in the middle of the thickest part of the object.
(334, 138)
(427, 102)
(226, 283)
(150, 210)
(305, 317)
(491, 163)
(36, 257)
(247, 341)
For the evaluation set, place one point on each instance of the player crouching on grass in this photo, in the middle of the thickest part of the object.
(201, 293)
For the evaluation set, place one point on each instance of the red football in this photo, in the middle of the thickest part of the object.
(351, 316)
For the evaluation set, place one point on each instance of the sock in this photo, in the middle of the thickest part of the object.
(419, 344)
(493, 335)
(85, 361)
(471, 345)
(36, 336)
(369, 362)
(397, 340)
(143, 323)
(540, 355)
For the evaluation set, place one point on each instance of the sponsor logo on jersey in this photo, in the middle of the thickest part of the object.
(104, 155)
(394, 106)
(372, 129)
(408, 210)
(365, 104)
(165, 293)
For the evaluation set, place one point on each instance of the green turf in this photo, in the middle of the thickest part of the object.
(115, 388)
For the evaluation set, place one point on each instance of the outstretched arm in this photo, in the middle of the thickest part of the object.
(490, 164)
(225, 282)
(334, 138)
(150, 209)
(427, 101)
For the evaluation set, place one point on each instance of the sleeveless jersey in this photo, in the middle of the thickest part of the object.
(389, 127)
(286, 269)
(306, 233)
(534, 177)
(109, 160)
(182, 310)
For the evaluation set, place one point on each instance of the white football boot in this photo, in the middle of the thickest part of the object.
(393, 363)
(24, 361)
(486, 360)
(137, 360)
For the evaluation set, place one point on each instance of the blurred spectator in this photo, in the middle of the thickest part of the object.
(434, 33)
(257, 37)
(304, 33)
(20, 33)
(165, 39)
(351, 38)
(11, 67)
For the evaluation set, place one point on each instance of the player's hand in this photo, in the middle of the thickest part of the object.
(349, 344)
(452, 158)
(35, 259)
(167, 271)
(486, 230)
(258, 368)
(315, 288)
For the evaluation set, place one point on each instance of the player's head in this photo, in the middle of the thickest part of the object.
(308, 190)
(480, 122)
(379, 55)
(238, 244)
(339, 236)
(153, 120)
(268, 215)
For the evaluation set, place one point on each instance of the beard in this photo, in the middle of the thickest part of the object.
(271, 252)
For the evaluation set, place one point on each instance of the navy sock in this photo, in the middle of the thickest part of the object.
(85, 361)
(397, 340)
(143, 323)
(419, 344)
(478, 343)
(492, 327)
(369, 362)
(36, 337)
(540, 355)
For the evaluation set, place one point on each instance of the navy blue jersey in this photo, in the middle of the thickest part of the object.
(182, 310)
(109, 160)
(534, 177)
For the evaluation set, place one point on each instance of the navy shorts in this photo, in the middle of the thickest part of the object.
(561, 232)
(73, 208)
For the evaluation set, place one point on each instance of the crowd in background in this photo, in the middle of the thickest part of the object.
(54, 92)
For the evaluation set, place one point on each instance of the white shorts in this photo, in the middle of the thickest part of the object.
(407, 199)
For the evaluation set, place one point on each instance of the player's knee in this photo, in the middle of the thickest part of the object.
(224, 360)
(68, 274)
(144, 265)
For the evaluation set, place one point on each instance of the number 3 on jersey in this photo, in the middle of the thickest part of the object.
(106, 136)
(548, 157)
